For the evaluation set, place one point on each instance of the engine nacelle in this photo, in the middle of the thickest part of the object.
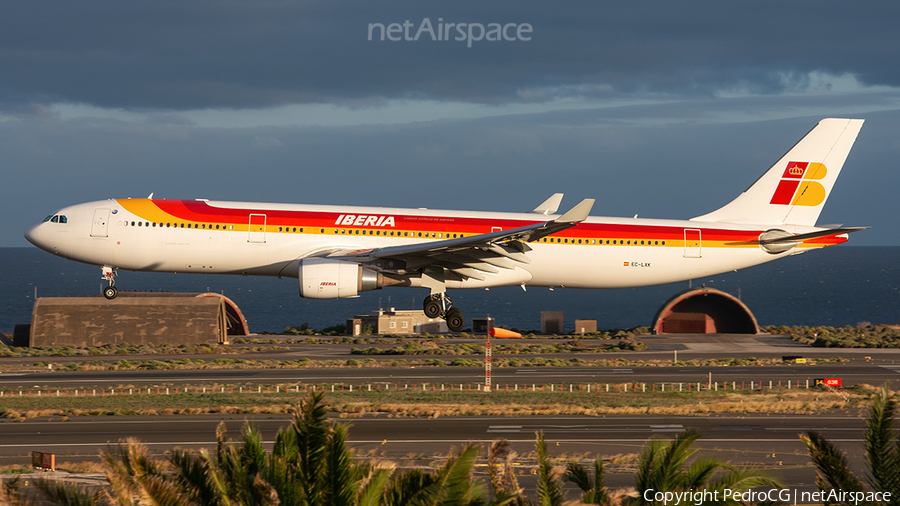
(323, 278)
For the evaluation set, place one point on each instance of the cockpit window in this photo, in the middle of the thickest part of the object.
(47, 219)
(63, 219)
(55, 219)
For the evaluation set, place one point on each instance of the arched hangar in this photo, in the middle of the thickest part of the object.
(136, 318)
(705, 311)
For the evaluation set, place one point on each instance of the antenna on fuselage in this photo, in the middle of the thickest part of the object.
(150, 196)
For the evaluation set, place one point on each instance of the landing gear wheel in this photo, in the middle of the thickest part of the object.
(433, 307)
(109, 275)
(455, 320)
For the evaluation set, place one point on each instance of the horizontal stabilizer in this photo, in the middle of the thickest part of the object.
(811, 235)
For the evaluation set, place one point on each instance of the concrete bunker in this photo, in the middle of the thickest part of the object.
(136, 318)
(705, 311)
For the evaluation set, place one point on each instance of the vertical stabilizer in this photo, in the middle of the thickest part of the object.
(795, 189)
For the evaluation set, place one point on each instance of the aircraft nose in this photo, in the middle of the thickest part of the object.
(34, 236)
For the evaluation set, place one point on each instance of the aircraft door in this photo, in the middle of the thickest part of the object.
(99, 223)
(257, 228)
(692, 243)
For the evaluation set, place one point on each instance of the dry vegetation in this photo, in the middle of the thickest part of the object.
(498, 361)
(863, 335)
(431, 403)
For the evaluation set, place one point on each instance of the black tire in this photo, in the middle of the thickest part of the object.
(432, 308)
(110, 292)
(455, 320)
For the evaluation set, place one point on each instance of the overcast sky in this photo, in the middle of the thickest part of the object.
(657, 108)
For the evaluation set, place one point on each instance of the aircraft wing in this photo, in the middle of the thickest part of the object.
(474, 255)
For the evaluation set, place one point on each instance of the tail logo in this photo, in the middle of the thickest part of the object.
(797, 186)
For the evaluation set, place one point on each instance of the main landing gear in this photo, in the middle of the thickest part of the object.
(438, 305)
(109, 274)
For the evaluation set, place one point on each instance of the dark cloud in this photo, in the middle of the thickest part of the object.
(170, 54)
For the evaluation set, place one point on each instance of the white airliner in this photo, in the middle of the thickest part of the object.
(339, 251)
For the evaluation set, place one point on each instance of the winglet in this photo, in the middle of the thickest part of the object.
(578, 213)
(550, 205)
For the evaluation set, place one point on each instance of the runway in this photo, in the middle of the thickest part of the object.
(770, 441)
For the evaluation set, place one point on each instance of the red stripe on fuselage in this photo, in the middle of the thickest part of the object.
(201, 211)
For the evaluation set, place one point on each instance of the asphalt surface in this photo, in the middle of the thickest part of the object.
(768, 441)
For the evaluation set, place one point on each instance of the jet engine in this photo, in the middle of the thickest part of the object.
(323, 278)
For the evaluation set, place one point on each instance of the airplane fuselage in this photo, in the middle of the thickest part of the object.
(270, 239)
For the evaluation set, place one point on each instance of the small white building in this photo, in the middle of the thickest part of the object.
(393, 321)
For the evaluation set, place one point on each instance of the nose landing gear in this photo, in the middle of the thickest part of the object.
(109, 274)
(439, 305)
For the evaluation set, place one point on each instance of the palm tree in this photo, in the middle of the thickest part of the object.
(550, 485)
(503, 476)
(310, 465)
(592, 487)
(134, 478)
(663, 467)
(881, 448)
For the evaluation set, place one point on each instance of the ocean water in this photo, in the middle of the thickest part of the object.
(841, 285)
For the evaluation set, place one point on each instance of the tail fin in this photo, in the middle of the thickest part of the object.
(795, 189)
